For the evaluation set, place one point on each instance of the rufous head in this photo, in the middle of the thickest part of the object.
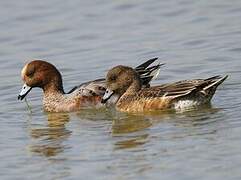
(39, 73)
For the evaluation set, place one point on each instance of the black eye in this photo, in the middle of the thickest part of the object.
(30, 72)
(113, 78)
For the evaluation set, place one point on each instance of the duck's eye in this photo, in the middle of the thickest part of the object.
(30, 73)
(113, 78)
(30, 70)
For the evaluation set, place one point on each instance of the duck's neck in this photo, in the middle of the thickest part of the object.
(54, 85)
(53, 96)
(131, 91)
(53, 88)
(133, 88)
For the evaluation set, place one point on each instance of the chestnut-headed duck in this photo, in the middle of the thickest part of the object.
(39, 73)
(126, 82)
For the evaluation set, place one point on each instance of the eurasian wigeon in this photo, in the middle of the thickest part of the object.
(39, 73)
(126, 82)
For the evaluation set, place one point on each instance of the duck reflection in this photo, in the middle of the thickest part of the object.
(130, 129)
(95, 114)
(204, 120)
(129, 124)
(51, 138)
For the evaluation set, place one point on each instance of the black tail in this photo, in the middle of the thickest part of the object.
(148, 73)
(209, 86)
(214, 82)
(146, 64)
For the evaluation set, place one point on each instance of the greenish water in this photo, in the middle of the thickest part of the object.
(196, 39)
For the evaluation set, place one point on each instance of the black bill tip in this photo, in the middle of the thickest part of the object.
(20, 97)
(103, 101)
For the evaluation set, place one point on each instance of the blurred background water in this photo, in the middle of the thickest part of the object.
(196, 39)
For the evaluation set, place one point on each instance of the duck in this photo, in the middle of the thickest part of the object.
(44, 75)
(126, 83)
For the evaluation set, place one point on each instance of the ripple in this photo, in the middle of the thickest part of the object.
(238, 50)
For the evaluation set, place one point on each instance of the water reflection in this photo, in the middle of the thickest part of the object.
(94, 114)
(131, 131)
(203, 121)
(198, 117)
(50, 139)
(129, 124)
(132, 142)
(186, 116)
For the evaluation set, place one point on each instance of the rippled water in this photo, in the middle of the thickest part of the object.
(196, 39)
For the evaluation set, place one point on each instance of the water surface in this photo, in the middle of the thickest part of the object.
(196, 39)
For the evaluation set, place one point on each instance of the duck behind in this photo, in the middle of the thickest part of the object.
(126, 82)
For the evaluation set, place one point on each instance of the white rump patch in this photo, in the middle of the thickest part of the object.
(185, 104)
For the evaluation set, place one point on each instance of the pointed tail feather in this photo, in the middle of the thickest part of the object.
(207, 88)
(155, 70)
(214, 82)
(210, 85)
(147, 73)
(146, 64)
(150, 70)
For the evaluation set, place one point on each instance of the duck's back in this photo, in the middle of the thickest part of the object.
(90, 88)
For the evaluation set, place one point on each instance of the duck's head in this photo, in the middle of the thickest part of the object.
(40, 74)
(118, 80)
